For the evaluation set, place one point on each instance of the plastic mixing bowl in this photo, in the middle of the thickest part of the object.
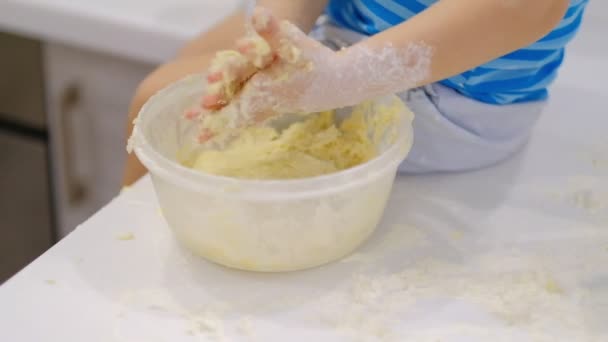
(265, 225)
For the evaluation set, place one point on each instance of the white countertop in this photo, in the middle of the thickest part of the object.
(149, 31)
(518, 251)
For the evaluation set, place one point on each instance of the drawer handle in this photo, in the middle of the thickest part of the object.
(75, 188)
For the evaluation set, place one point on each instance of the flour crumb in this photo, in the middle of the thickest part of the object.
(51, 281)
(583, 194)
(245, 326)
(209, 325)
(457, 235)
(125, 236)
(553, 287)
(588, 200)
(598, 163)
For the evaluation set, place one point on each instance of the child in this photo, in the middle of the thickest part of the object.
(475, 72)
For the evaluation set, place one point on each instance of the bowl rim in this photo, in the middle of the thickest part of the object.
(193, 180)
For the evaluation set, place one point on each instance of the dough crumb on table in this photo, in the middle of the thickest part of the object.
(125, 236)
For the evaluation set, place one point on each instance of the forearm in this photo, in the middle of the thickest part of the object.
(459, 35)
(303, 13)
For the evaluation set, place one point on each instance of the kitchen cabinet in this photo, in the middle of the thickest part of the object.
(26, 218)
(62, 140)
(26, 230)
(88, 95)
(68, 70)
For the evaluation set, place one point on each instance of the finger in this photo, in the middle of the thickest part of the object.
(192, 114)
(283, 37)
(257, 50)
(267, 26)
(220, 94)
(227, 66)
(213, 101)
(227, 72)
(264, 22)
(214, 77)
(205, 135)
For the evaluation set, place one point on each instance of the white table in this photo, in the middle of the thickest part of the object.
(514, 252)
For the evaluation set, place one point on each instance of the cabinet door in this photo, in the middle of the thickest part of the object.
(88, 96)
(25, 209)
(21, 88)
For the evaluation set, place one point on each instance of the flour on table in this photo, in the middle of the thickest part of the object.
(583, 193)
(599, 163)
(209, 324)
(245, 326)
(529, 298)
(588, 200)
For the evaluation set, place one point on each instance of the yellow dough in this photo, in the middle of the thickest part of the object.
(312, 147)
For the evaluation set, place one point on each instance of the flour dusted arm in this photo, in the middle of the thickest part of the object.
(448, 38)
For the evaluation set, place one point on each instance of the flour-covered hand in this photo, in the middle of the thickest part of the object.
(286, 71)
(278, 69)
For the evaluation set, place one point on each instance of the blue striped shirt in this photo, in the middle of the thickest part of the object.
(520, 76)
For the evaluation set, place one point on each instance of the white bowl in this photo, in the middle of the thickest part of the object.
(264, 225)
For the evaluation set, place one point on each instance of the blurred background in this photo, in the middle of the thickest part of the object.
(68, 70)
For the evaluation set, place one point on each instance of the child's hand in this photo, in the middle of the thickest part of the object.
(281, 70)
(278, 70)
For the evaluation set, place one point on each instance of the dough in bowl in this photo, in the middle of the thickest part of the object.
(315, 146)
